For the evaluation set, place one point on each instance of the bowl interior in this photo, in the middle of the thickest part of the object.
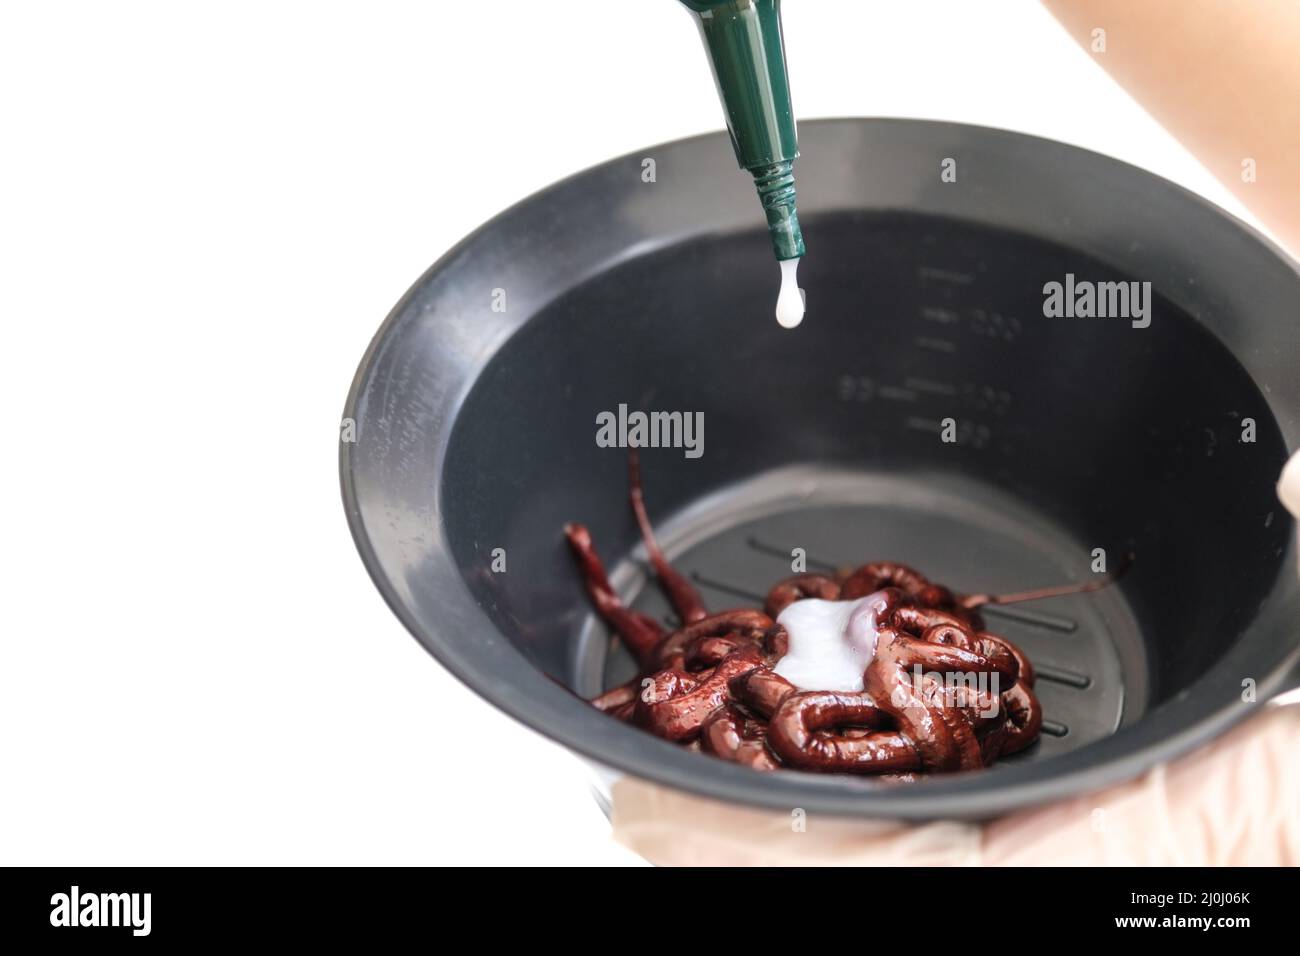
(475, 413)
(1072, 434)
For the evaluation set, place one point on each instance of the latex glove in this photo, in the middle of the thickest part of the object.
(1234, 802)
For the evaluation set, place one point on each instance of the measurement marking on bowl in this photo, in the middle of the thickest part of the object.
(1053, 622)
(895, 394)
(1054, 729)
(1061, 676)
(951, 276)
(931, 344)
(927, 385)
(940, 314)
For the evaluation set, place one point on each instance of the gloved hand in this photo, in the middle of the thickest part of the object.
(1234, 802)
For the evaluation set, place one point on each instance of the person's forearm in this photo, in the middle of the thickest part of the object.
(1221, 75)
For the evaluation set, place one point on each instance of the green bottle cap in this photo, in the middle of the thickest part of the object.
(747, 53)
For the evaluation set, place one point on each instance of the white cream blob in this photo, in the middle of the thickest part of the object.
(789, 302)
(831, 642)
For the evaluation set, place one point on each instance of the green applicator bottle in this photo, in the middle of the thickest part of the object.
(746, 50)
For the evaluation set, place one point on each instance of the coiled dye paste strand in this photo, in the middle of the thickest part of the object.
(712, 684)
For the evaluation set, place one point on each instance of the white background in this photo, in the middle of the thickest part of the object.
(205, 212)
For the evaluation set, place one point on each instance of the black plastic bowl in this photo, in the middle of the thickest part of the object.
(476, 431)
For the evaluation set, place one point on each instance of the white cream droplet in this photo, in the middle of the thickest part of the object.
(831, 642)
(790, 302)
